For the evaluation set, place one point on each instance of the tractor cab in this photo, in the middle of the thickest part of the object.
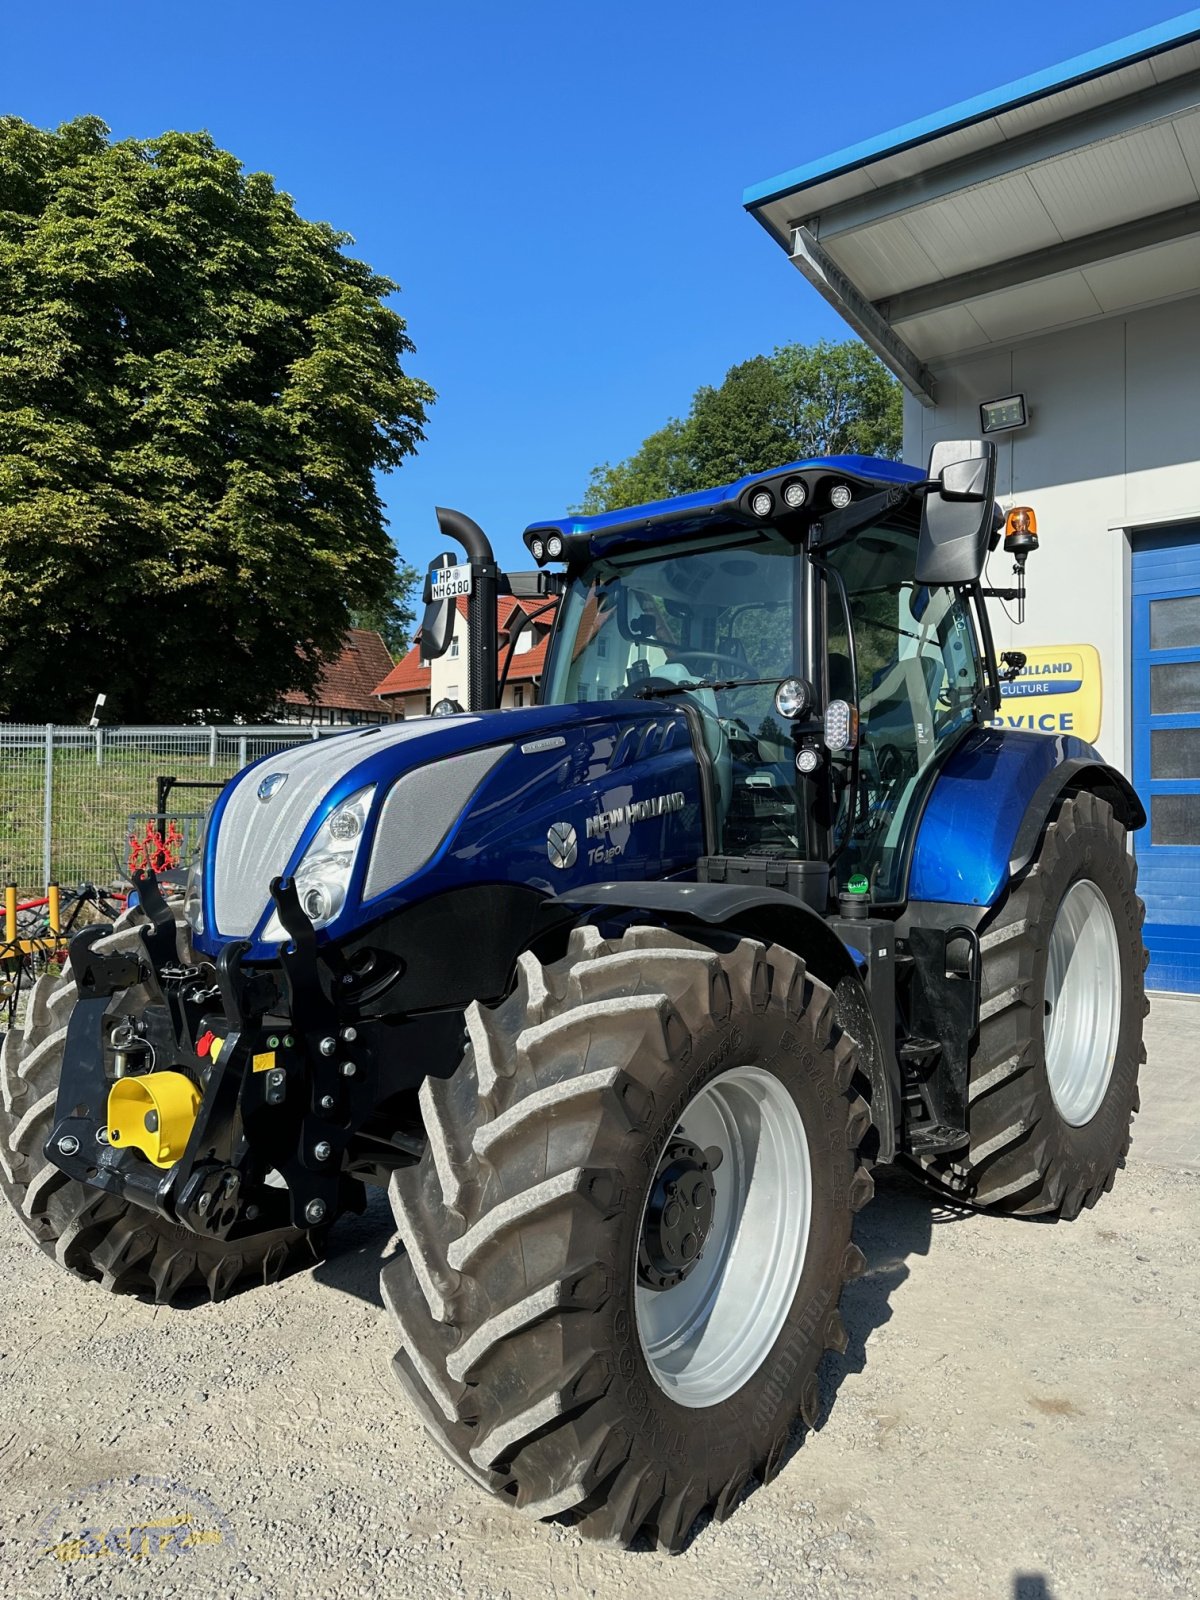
(824, 634)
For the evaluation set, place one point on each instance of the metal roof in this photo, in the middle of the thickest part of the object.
(1070, 195)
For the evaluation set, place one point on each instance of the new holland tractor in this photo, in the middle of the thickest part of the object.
(624, 994)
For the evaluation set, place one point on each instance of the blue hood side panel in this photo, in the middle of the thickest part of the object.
(502, 835)
(609, 756)
(966, 836)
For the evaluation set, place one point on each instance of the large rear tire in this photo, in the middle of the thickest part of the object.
(555, 1347)
(1053, 1080)
(122, 1246)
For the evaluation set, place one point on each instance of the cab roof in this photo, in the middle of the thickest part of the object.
(665, 521)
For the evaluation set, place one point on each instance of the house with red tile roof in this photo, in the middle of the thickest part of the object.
(414, 685)
(346, 691)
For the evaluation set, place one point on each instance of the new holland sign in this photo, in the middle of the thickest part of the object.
(1057, 691)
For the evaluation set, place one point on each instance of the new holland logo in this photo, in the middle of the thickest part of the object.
(562, 845)
(271, 785)
(636, 811)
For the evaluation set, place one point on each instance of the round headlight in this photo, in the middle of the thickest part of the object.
(446, 708)
(793, 698)
(537, 549)
(762, 503)
(795, 494)
(807, 760)
(345, 823)
(840, 496)
(554, 546)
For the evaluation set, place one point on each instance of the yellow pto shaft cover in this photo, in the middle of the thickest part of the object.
(154, 1114)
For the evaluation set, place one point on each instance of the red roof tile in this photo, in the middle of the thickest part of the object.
(348, 683)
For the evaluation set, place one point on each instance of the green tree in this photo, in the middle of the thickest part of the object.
(804, 400)
(197, 390)
(394, 615)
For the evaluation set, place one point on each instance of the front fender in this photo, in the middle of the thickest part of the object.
(778, 918)
(990, 803)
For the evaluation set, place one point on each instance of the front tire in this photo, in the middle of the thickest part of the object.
(122, 1246)
(551, 1310)
(1053, 1080)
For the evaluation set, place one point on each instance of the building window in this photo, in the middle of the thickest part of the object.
(454, 647)
(519, 695)
(428, 704)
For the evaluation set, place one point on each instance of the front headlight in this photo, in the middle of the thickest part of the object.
(323, 876)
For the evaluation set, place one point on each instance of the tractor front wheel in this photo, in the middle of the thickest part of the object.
(625, 1245)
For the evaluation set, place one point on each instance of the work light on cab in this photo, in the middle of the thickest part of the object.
(793, 699)
(841, 725)
(762, 503)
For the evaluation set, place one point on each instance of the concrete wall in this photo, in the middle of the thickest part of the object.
(1113, 445)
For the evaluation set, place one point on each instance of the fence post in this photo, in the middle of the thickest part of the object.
(48, 805)
(212, 747)
(99, 747)
(242, 755)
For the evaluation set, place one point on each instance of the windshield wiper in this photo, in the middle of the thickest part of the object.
(667, 689)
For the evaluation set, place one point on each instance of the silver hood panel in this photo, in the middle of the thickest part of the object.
(257, 837)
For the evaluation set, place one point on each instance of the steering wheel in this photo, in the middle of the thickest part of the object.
(707, 655)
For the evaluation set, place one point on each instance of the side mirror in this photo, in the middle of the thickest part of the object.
(957, 517)
(437, 625)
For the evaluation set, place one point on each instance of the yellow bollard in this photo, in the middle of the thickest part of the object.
(10, 913)
(53, 912)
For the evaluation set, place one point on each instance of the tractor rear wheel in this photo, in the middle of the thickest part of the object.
(99, 1236)
(626, 1242)
(1053, 1080)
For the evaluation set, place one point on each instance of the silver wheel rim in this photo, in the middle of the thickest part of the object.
(1083, 1003)
(707, 1336)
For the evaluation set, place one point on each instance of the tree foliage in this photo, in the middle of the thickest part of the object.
(393, 616)
(197, 389)
(804, 400)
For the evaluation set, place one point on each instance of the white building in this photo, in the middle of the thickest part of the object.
(1041, 245)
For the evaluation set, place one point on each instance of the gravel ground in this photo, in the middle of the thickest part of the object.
(1017, 1416)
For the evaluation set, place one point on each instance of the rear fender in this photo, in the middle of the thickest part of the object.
(990, 805)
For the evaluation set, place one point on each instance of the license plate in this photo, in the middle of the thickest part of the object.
(449, 583)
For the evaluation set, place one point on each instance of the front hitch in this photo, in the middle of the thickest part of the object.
(259, 1111)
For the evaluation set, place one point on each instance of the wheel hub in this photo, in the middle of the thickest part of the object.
(679, 1214)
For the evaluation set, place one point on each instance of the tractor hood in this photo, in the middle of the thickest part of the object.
(366, 822)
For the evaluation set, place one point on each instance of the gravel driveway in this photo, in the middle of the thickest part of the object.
(1017, 1416)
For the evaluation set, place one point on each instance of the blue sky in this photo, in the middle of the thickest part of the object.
(557, 187)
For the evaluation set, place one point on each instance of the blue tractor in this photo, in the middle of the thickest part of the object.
(623, 995)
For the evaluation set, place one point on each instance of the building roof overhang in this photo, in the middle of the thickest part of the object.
(1068, 196)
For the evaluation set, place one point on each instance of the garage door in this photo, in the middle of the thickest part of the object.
(1166, 750)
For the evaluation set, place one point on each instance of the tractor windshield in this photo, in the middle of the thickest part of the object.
(714, 626)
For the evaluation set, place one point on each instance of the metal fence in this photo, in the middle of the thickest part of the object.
(71, 798)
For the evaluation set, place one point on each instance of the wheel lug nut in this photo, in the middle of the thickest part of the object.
(322, 1150)
(314, 1211)
(327, 1046)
